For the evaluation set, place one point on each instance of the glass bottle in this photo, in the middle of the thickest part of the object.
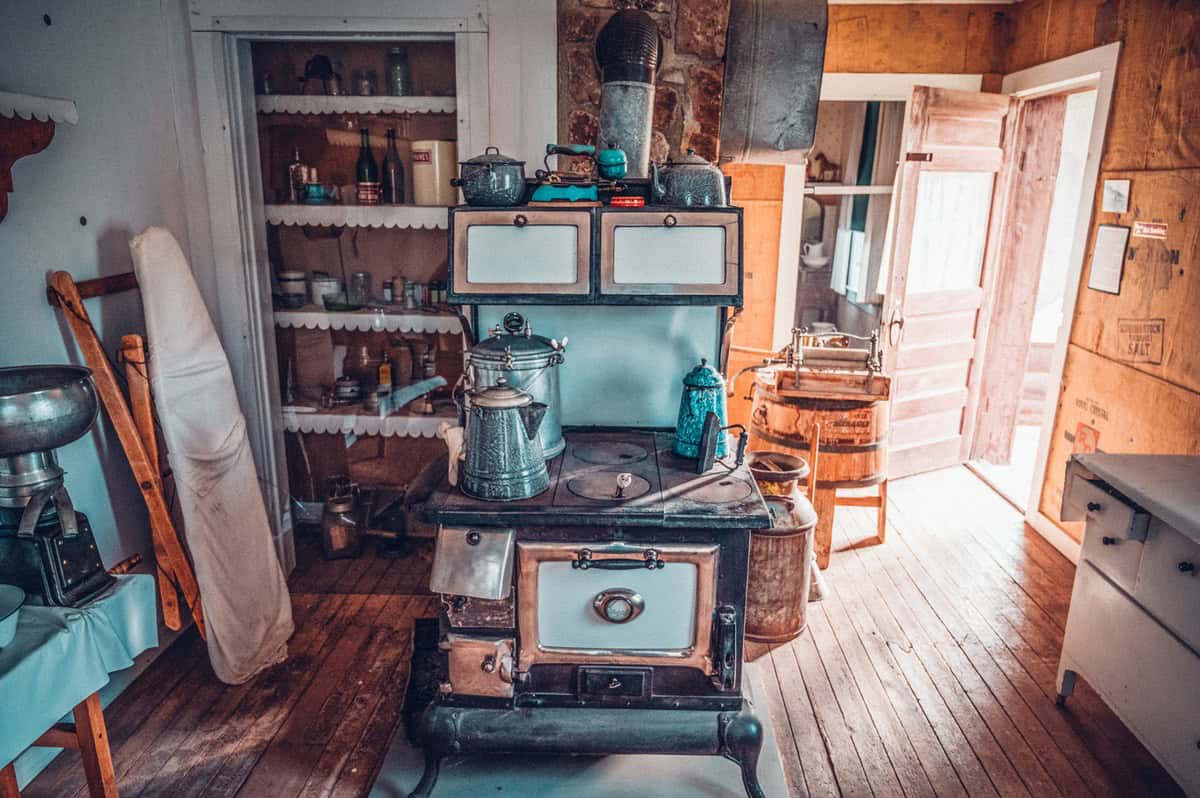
(297, 177)
(392, 177)
(399, 73)
(359, 290)
(366, 172)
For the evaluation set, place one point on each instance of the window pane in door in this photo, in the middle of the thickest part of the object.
(949, 231)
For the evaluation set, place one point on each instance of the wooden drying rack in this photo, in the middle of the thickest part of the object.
(134, 423)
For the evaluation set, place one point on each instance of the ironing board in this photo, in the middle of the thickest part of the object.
(59, 659)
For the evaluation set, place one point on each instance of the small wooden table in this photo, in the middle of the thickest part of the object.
(55, 666)
(89, 734)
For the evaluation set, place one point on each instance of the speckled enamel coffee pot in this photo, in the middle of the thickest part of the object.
(703, 392)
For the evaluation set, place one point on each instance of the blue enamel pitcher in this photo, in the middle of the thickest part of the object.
(703, 392)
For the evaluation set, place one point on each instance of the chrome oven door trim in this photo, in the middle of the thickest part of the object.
(531, 652)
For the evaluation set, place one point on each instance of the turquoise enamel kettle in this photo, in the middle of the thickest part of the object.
(703, 393)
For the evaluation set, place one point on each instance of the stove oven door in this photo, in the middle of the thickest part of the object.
(584, 603)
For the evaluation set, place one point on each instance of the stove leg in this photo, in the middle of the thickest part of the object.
(433, 767)
(743, 740)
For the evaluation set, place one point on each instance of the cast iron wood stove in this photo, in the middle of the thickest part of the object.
(604, 616)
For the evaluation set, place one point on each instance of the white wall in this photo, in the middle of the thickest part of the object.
(119, 168)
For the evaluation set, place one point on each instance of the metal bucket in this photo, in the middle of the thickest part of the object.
(775, 57)
(780, 572)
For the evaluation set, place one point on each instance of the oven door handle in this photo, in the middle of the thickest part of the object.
(650, 561)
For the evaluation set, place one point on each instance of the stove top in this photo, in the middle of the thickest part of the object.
(587, 488)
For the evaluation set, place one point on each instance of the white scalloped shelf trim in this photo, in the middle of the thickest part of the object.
(427, 217)
(27, 106)
(362, 424)
(353, 104)
(369, 321)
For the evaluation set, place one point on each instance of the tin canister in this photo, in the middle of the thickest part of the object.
(434, 164)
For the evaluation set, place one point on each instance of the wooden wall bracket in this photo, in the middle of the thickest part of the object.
(18, 138)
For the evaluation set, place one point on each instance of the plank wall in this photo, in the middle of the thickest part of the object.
(963, 39)
(1132, 378)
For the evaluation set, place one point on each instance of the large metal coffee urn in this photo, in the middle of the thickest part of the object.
(628, 51)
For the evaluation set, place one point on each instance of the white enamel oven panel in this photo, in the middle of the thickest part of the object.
(521, 252)
(566, 618)
(669, 253)
(556, 620)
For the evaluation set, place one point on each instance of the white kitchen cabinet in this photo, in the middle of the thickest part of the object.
(520, 252)
(1133, 629)
(685, 254)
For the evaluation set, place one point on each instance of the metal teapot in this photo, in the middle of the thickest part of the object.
(503, 458)
(690, 182)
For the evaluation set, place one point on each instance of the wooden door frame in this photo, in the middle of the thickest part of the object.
(229, 197)
(1096, 69)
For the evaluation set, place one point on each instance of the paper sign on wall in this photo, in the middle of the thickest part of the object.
(1150, 229)
(1108, 258)
(1116, 196)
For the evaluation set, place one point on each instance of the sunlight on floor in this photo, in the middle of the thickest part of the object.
(1014, 480)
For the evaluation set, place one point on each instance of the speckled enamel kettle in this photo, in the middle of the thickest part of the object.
(503, 459)
(703, 393)
(690, 181)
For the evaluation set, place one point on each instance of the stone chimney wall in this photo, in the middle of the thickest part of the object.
(687, 106)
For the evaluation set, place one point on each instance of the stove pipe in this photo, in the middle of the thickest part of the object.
(628, 51)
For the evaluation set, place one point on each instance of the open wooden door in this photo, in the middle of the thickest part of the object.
(951, 168)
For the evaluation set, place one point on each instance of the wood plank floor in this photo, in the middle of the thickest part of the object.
(928, 670)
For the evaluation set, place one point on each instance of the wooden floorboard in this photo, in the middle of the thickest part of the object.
(928, 671)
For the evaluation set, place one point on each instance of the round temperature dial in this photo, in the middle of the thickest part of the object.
(619, 605)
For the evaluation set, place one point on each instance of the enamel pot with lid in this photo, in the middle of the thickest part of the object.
(492, 179)
(503, 459)
(529, 362)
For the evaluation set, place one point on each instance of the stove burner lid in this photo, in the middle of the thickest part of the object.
(603, 486)
(610, 453)
(716, 490)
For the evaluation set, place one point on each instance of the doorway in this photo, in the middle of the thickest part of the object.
(1013, 476)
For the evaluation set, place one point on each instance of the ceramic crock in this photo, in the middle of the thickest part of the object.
(703, 392)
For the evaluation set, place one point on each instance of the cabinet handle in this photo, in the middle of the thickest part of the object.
(670, 221)
(1093, 507)
(489, 664)
(1186, 567)
(519, 220)
(1107, 541)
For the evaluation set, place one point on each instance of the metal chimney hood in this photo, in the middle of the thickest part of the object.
(774, 59)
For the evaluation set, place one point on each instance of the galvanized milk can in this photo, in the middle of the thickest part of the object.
(527, 362)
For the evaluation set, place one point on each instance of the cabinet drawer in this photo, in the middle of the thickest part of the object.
(519, 252)
(1091, 500)
(1149, 678)
(689, 255)
(1167, 583)
(1116, 557)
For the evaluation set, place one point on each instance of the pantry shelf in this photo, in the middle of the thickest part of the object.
(428, 217)
(356, 422)
(369, 320)
(353, 104)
